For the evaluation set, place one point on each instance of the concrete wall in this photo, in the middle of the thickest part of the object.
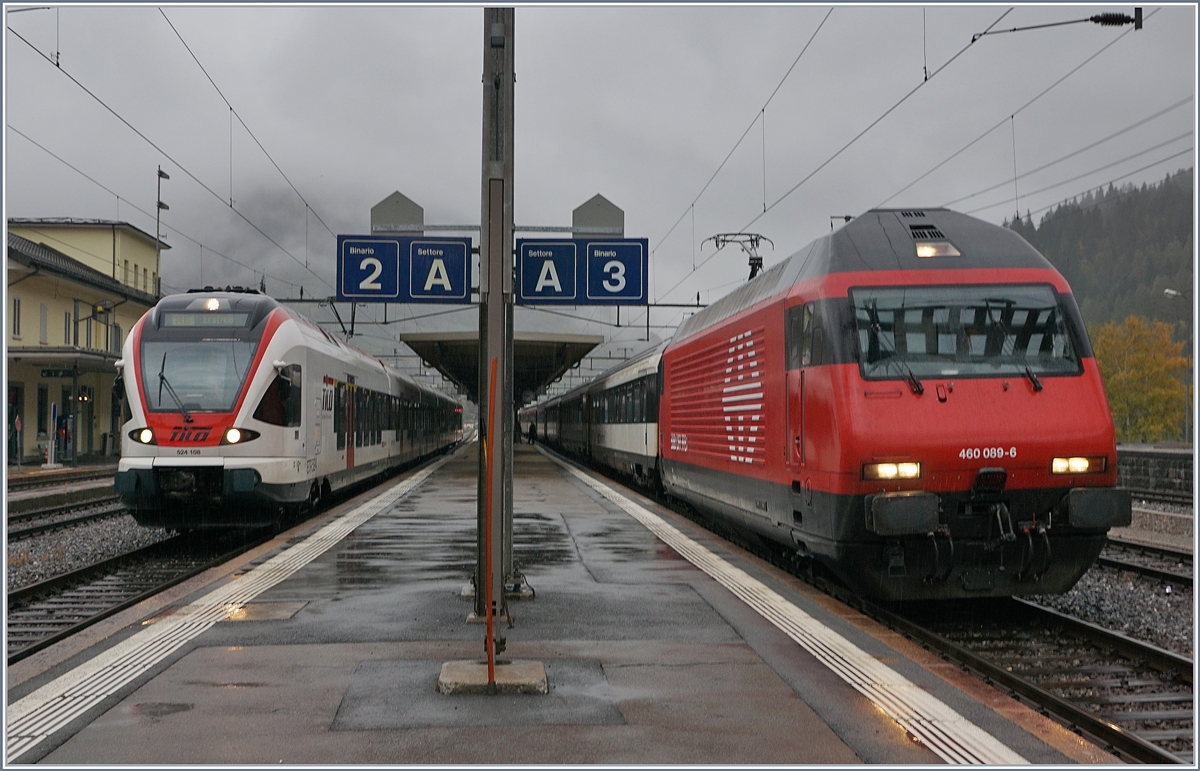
(1150, 468)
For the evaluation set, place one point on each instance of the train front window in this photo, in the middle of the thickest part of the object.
(196, 376)
(963, 331)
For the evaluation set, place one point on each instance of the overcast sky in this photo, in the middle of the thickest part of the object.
(640, 104)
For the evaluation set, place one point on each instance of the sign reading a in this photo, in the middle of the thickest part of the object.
(582, 271)
(547, 271)
(403, 269)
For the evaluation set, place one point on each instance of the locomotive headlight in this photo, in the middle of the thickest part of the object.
(212, 304)
(887, 471)
(937, 249)
(1078, 465)
(238, 436)
(142, 435)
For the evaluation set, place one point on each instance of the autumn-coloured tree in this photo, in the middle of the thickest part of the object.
(1143, 371)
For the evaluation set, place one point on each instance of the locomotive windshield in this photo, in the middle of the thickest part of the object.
(197, 348)
(963, 331)
(202, 375)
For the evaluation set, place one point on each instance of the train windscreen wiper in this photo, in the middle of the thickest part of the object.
(162, 381)
(1037, 384)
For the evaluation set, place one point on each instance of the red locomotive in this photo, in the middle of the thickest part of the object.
(911, 401)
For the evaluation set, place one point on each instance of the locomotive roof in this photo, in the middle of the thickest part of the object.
(880, 239)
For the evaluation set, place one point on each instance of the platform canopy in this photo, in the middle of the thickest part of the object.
(539, 358)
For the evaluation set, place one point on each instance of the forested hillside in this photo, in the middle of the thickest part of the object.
(1120, 248)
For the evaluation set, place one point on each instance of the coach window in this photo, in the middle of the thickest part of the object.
(339, 415)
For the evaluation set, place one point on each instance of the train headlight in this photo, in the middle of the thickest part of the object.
(1078, 465)
(937, 249)
(889, 471)
(238, 436)
(142, 435)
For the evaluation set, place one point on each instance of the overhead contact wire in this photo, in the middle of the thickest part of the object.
(241, 121)
(844, 147)
(1011, 114)
(166, 155)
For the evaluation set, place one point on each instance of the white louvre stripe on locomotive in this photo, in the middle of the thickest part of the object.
(36, 717)
(946, 733)
(740, 449)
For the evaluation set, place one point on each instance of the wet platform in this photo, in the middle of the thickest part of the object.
(662, 644)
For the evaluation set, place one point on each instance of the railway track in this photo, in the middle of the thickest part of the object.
(1153, 562)
(1130, 697)
(67, 476)
(45, 613)
(28, 524)
(1162, 496)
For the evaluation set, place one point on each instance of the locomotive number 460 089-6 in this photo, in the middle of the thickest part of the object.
(974, 453)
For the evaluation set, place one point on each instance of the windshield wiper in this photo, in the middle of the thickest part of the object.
(913, 383)
(162, 381)
(1037, 384)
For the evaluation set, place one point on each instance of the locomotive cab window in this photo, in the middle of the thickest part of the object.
(280, 405)
(806, 333)
(966, 331)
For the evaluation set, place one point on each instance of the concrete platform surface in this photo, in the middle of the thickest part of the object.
(648, 658)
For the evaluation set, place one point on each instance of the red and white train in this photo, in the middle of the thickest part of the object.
(240, 411)
(912, 401)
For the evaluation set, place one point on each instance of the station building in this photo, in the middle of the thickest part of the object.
(75, 289)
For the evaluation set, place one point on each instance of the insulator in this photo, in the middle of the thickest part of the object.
(1111, 19)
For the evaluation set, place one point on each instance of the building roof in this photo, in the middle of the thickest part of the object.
(81, 222)
(42, 259)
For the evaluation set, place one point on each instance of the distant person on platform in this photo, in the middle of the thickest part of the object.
(533, 433)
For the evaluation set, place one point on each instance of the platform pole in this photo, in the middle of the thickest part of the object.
(495, 311)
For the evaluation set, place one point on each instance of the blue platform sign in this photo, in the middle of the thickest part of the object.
(582, 271)
(546, 270)
(403, 269)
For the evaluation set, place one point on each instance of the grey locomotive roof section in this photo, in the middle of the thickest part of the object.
(881, 239)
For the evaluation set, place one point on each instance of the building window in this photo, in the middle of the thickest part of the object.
(43, 324)
(16, 318)
(67, 328)
(87, 334)
(145, 282)
(125, 276)
(117, 338)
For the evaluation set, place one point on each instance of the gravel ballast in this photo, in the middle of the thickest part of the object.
(41, 557)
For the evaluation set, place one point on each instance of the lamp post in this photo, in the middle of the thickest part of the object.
(1175, 294)
(157, 228)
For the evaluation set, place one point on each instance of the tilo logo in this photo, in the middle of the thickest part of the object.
(190, 433)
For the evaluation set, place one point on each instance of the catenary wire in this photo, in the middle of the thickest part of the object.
(1142, 122)
(737, 144)
(844, 147)
(1098, 169)
(129, 203)
(1118, 194)
(1010, 115)
(167, 155)
(243, 122)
